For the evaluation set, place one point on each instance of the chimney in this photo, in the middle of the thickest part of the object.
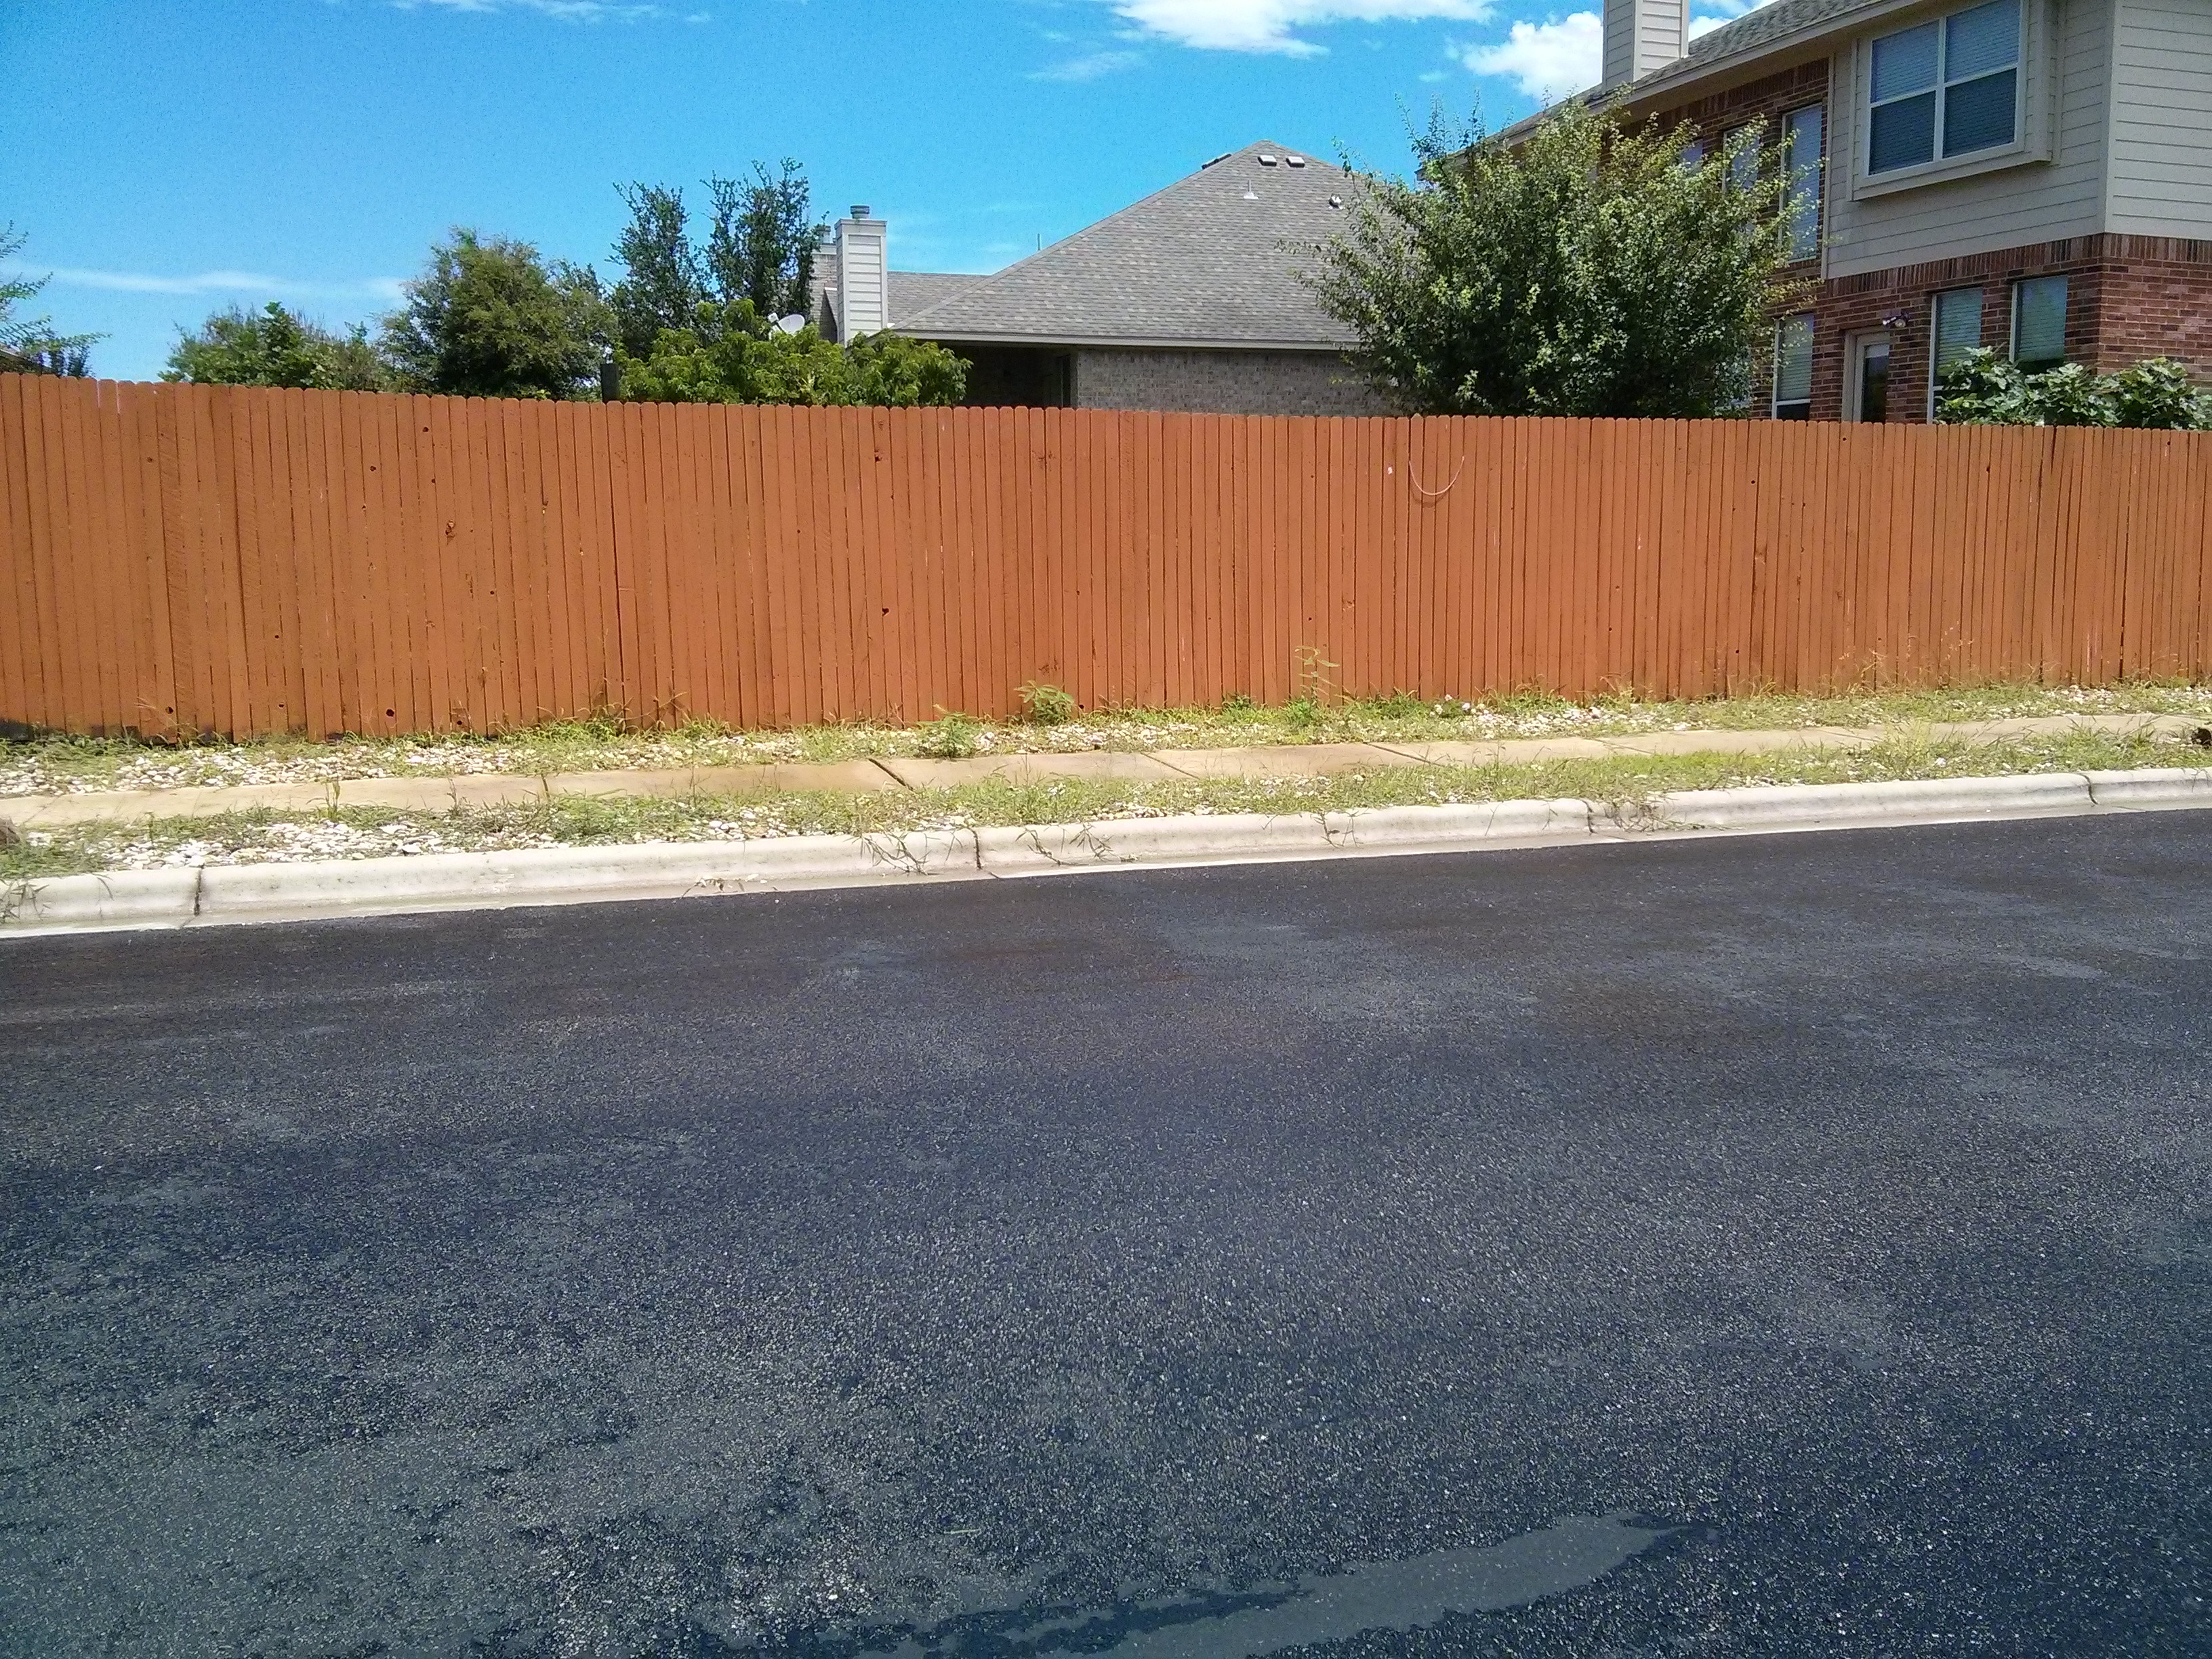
(863, 290)
(1643, 35)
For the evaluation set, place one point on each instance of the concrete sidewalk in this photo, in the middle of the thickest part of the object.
(1288, 760)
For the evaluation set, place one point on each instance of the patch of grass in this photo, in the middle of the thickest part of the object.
(1623, 780)
(603, 742)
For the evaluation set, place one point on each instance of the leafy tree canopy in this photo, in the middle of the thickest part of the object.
(733, 355)
(1984, 389)
(488, 317)
(275, 347)
(759, 247)
(29, 345)
(663, 280)
(1591, 268)
(762, 245)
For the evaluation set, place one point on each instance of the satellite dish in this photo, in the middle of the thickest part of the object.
(790, 325)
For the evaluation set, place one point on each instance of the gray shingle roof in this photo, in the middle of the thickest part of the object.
(911, 291)
(914, 291)
(1201, 262)
(1772, 22)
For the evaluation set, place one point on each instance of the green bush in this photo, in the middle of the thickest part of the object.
(2156, 392)
(1984, 389)
(733, 354)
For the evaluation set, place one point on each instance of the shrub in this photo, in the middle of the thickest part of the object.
(1047, 705)
(2157, 394)
(1981, 388)
(733, 354)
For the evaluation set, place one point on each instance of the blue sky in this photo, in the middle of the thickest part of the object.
(170, 159)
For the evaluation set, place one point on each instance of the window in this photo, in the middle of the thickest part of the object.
(1693, 156)
(1958, 332)
(2039, 322)
(1946, 88)
(1743, 165)
(1793, 368)
(1800, 153)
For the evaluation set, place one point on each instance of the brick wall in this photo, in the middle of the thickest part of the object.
(1768, 99)
(2156, 301)
(1224, 383)
(2127, 298)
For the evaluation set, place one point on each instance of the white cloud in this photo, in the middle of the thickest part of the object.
(1270, 25)
(228, 282)
(1721, 11)
(1548, 60)
(1088, 67)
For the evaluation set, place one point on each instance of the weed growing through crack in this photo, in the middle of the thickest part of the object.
(952, 736)
(1047, 705)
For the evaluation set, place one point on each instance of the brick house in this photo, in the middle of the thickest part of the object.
(2030, 175)
(1188, 300)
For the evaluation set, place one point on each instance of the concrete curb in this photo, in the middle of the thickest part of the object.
(216, 894)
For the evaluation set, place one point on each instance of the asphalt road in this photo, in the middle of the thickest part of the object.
(1782, 1246)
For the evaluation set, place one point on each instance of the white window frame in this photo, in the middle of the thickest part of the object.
(2031, 119)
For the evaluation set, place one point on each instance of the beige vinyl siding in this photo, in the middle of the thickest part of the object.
(1641, 35)
(1619, 37)
(2161, 182)
(2038, 202)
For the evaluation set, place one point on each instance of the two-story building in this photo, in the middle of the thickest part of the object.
(2030, 175)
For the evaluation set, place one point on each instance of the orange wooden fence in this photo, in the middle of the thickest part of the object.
(243, 561)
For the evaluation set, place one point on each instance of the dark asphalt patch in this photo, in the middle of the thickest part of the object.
(1088, 1264)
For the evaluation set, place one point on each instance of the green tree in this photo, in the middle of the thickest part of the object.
(733, 355)
(761, 247)
(275, 347)
(1981, 388)
(488, 317)
(662, 283)
(29, 345)
(1589, 268)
